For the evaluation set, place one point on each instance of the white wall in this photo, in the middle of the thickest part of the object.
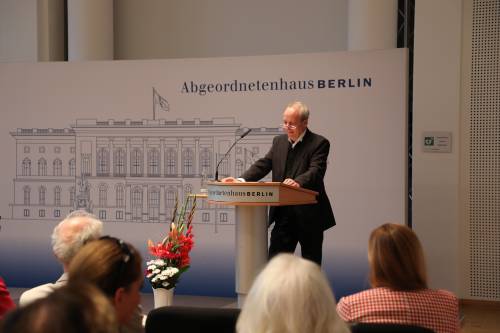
(18, 30)
(195, 28)
(436, 107)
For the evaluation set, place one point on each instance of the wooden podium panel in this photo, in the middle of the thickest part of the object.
(252, 200)
(259, 194)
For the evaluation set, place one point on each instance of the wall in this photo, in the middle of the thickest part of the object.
(193, 28)
(436, 107)
(18, 31)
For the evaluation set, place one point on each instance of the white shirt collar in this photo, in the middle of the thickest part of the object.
(300, 138)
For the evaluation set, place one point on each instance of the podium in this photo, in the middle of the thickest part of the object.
(251, 200)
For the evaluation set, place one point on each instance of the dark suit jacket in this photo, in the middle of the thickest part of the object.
(308, 170)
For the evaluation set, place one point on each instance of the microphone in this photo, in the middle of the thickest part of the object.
(225, 155)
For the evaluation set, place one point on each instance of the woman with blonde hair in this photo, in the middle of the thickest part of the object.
(115, 267)
(400, 293)
(291, 295)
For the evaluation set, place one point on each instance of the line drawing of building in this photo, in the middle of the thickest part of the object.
(129, 170)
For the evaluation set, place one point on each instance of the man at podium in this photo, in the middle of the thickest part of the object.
(297, 158)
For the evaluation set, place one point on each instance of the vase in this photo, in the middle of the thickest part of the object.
(163, 297)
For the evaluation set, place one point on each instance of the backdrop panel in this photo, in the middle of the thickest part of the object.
(123, 138)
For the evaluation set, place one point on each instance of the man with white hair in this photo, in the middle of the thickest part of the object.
(68, 237)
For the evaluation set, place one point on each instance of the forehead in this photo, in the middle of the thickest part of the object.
(291, 114)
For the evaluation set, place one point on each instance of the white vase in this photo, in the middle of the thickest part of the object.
(163, 297)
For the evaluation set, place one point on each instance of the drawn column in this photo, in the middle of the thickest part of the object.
(111, 157)
(145, 201)
(162, 159)
(196, 161)
(145, 158)
(128, 204)
(163, 212)
(179, 158)
(128, 166)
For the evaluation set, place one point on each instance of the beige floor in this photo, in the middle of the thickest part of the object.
(481, 318)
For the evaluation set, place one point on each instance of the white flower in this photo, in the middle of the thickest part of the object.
(159, 262)
(154, 279)
(156, 271)
(152, 267)
(162, 277)
(149, 275)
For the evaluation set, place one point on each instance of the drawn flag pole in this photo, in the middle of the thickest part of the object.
(159, 103)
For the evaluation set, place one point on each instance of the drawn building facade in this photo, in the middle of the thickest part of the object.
(129, 171)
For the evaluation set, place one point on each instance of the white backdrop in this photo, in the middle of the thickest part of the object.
(365, 124)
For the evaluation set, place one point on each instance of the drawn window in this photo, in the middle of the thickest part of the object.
(102, 162)
(72, 167)
(26, 167)
(103, 196)
(206, 217)
(188, 189)
(27, 195)
(26, 212)
(41, 195)
(170, 162)
(102, 214)
(136, 163)
(42, 167)
(41, 213)
(57, 213)
(154, 204)
(119, 161)
(120, 195)
(137, 204)
(223, 217)
(188, 157)
(119, 214)
(57, 196)
(170, 202)
(239, 167)
(86, 164)
(57, 165)
(224, 165)
(154, 163)
(205, 162)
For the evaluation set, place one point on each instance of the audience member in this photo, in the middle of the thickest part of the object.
(68, 237)
(290, 295)
(116, 268)
(399, 291)
(6, 303)
(73, 308)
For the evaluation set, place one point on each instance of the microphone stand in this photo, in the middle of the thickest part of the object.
(225, 155)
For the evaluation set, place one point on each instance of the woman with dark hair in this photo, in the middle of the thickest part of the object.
(115, 267)
(400, 293)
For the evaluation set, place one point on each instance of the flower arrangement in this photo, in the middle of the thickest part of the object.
(172, 253)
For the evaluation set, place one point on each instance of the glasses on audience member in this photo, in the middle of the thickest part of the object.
(288, 126)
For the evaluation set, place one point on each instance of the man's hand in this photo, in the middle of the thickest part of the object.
(229, 180)
(291, 182)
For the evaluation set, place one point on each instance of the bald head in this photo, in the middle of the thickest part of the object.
(72, 233)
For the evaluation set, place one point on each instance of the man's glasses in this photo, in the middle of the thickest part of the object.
(288, 126)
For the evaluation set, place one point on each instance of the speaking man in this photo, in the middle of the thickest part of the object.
(297, 158)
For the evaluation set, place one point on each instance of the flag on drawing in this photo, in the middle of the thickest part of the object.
(159, 103)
